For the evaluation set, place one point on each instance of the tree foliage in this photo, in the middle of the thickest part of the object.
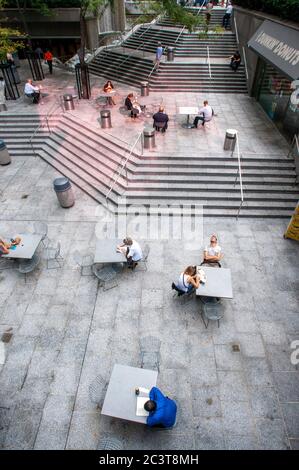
(8, 43)
(171, 9)
(287, 9)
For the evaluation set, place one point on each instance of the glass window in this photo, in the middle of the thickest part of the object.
(274, 91)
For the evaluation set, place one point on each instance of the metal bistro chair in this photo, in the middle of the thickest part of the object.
(41, 228)
(97, 390)
(179, 293)
(110, 443)
(145, 255)
(84, 262)
(27, 266)
(106, 276)
(211, 310)
(54, 257)
(150, 352)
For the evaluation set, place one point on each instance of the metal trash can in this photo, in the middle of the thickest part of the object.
(170, 54)
(144, 88)
(4, 155)
(106, 119)
(64, 192)
(230, 139)
(68, 102)
(149, 138)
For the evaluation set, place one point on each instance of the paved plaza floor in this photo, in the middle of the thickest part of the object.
(60, 330)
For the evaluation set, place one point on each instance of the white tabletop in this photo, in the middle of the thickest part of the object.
(27, 247)
(107, 93)
(120, 400)
(218, 284)
(188, 110)
(106, 251)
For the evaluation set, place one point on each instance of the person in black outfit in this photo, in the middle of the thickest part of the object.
(160, 120)
(129, 105)
(235, 61)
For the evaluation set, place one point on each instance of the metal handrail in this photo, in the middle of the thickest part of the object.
(239, 173)
(182, 30)
(236, 31)
(208, 58)
(45, 120)
(295, 143)
(123, 166)
(132, 55)
(245, 62)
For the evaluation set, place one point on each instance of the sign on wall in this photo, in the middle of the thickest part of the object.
(279, 45)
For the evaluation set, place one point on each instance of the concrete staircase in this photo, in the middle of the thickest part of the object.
(180, 77)
(187, 45)
(118, 67)
(216, 18)
(92, 159)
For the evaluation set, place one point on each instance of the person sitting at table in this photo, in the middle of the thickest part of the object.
(108, 88)
(132, 251)
(212, 253)
(162, 410)
(160, 120)
(33, 91)
(205, 114)
(129, 105)
(188, 281)
(4, 247)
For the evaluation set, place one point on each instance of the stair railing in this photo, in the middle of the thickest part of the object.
(239, 173)
(208, 59)
(245, 62)
(180, 33)
(132, 55)
(45, 123)
(123, 165)
(294, 152)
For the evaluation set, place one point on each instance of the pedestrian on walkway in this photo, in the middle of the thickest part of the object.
(49, 58)
(159, 53)
(209, 8)
(227, 16)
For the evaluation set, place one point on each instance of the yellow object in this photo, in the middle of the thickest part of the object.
(293, 227)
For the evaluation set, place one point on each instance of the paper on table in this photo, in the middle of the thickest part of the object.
(140, 411)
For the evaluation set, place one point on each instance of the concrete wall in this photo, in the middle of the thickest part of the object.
(247, 23)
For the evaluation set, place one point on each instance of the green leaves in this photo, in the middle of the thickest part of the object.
(7, 44)
(287, 9)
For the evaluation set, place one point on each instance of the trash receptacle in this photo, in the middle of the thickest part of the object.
(149, 138)
(106, 119)
(170, 54)
(4, 155)
(230, 139)
(64, 192)
(68, 102)
(144, 88)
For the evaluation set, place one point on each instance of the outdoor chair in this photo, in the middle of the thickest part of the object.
(27, 266)
(150, 352)
(84, 262)
(54, 258)
(180, 293)
(106, 276)
(212, 310)
(97, 390)
(160, 126)
(41, 228)
(110, 443)
(145, 254)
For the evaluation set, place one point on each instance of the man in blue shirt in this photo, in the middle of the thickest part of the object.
(159, 53)
(162, 410)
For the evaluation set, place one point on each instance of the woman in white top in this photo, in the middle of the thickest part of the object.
(212, 254)
(132, 250)
(188, 280)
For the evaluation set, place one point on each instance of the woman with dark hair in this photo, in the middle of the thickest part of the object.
(109, 88)
(235, 61)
